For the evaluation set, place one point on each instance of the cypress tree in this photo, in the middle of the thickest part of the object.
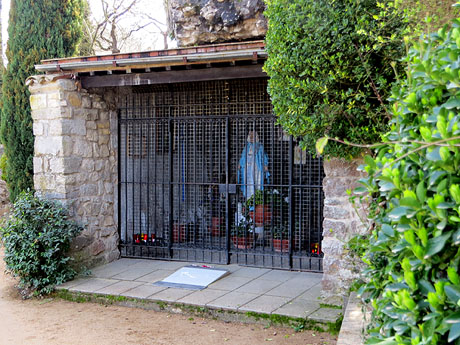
(38, 29)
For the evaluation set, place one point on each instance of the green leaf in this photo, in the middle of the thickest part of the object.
(410, 202)
(370, 161)
(378, 341)
(452, 103)
(454, 332)
(453, 318)
(456, 237)
(388, 230)
(436, 244)
(321, 144)
(397, 213)
(434, 155)
(453, 293)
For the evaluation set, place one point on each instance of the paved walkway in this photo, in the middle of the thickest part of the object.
(245, 289)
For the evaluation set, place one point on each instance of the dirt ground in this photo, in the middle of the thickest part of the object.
(51, 321)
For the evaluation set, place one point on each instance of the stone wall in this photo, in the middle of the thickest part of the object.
(195, 22)
(341, 222)
(75, 161)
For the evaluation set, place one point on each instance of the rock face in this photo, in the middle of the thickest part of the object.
(195, 22)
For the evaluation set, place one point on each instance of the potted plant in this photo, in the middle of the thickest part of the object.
(242, 235)
(280, 235)
(259, 207)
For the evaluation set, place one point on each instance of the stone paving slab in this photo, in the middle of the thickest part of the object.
(298, 308)
(72, 283)
(229, 283)
(202, 297)
(143, 291)
(264, 304)
(92, 285)
(118, 288)
(312, 294)
(111, 269)
(232, 301)
(288, 289)
(258, 286)
(170, 295)
(326, 314)
(250, 272)
(134, 272)
(155, 276)
(278, 275)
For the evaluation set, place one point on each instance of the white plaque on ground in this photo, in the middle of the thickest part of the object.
(192, 277)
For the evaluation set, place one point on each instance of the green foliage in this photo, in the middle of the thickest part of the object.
(426, 15)
(331, 66)
(38, 29)
(413, 254)
(36, 238)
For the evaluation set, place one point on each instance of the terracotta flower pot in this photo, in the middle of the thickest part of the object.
(280, 245)
(263, 215)
(217, 226)
(242, 242)
(179, 229)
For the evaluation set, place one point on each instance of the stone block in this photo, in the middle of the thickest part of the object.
(66, 84)
(332, 246)
(103, 115)
(336, 212)
(97, 104)
(97, 247)
(74, 99)
(37, 128)
(81, 242)
(38, 101)
(104, 151)
(92, 114)
(86, 102)
(82, 148)
(67, 146)
(336, 167)
(92, 135)
(48, 145)
(103, 139)
(53, 100)
(337, 187)
(88, 190)
(335, 228)
(38, 165)
(87, 165)
(46, 114)
(103, 124)
(91, 125)
(65, 165)
(74, 126)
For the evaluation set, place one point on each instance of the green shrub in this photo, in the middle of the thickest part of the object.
(413, 254)
(331, 66)
(36, 238)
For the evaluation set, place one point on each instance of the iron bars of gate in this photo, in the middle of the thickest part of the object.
(206, 175)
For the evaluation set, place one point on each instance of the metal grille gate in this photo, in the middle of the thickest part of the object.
(187, 172)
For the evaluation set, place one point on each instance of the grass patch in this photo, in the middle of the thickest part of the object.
(330, 306)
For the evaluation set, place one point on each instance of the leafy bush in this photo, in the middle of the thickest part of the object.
(413, 255)
(331, 66)
(36, 238)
